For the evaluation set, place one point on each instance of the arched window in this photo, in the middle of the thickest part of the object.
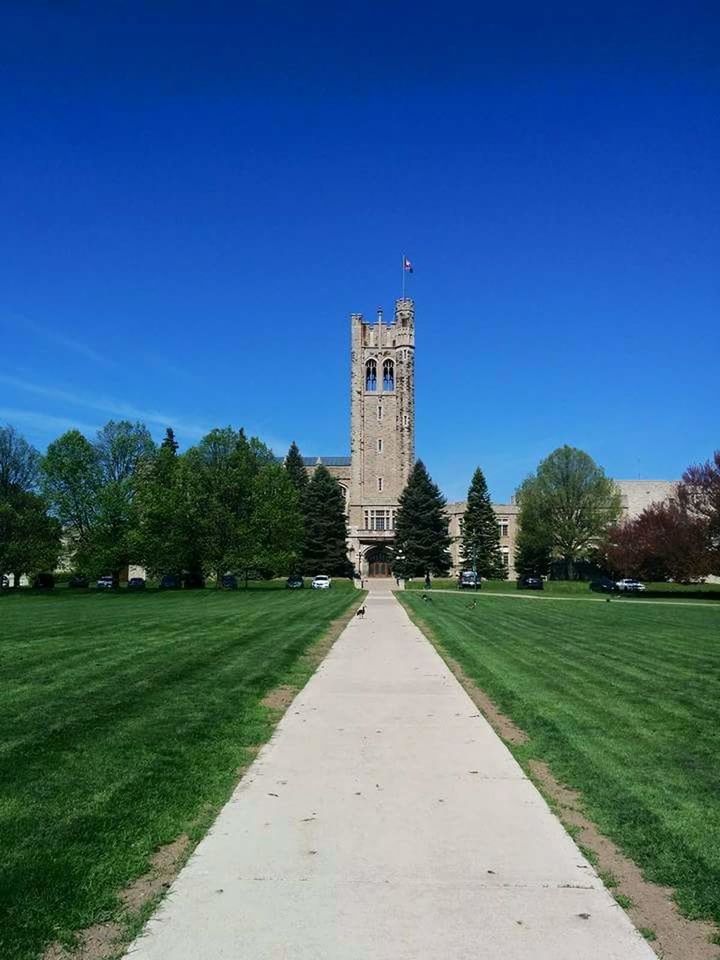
(388, 375)
(371, 375)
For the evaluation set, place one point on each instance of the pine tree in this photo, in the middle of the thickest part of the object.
(421, 528)
(326, 533)
(169, 441)
(295, 467)
(480, 545)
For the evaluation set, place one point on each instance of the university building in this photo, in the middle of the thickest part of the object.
(382, 448)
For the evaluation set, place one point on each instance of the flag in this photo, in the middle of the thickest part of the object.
(407, 266)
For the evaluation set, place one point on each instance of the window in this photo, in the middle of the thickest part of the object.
(379, 410)
(379, 519)
(388, 375)
(379, 444)
(504, 526)
(380, 485)
(371, 375)
(406, 420)
(505, 555)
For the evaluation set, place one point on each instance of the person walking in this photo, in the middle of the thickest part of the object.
(428, 585)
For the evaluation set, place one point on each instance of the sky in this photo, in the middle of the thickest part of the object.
(195, 196)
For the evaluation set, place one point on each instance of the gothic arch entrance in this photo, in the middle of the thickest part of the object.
(379, 562)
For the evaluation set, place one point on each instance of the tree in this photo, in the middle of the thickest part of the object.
(276, 525)
(421, 527)
(167, 506)
(29, 538)
(71, 479)
(19, 462)
(531, 557)
(225, 464)
(295, 466)
(568, 505)
(699, 495)
(169, 441)
(665, 542)
(91, 488)
(326, 532)
(480, 544)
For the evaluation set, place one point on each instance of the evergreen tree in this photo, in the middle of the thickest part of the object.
(532, 556)
(480, 545)
(421, 528)
(326, 532)
(296, 468)
(169, 442)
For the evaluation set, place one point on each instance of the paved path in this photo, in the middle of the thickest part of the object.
(386, 821)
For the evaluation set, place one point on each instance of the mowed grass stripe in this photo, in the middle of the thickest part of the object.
(623, 702)
(123, 723)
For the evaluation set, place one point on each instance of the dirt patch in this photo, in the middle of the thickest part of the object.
(653, 909)
(104, 941)
(108, 940)
(280, 697)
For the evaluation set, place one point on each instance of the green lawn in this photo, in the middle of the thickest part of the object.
(124, 720)
(577, 588)
(623, 701)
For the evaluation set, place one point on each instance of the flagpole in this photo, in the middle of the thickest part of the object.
(402, 267)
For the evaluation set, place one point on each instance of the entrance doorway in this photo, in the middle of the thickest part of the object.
(379, 562)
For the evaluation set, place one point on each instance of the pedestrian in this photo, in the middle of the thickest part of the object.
(428, 585)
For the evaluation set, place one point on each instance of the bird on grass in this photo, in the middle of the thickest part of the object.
(472, 605)
(426, 598)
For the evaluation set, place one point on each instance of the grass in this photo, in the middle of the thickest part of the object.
(577, 588)
(125, 720)
(622, 700)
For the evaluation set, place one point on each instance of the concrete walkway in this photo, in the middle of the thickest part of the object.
(386, 820)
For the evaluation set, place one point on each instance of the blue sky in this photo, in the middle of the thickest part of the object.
(194, 198)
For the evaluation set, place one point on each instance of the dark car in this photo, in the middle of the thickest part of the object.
(169, 582)
(136, 583)
(468, 579)
(193, 580)
(44, 581)
(604, 585)
(77, 582)
(229, 582)
(295, 582)
(530, 582)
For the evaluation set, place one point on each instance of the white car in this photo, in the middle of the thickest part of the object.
(321, 582)
(630, 585)
(105, 583)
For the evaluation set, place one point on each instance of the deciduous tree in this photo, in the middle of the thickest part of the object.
(568, 505)
(699, 495)
(19, 462)
(29, 538)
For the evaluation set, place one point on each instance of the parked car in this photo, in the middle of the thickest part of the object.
(604, 585)
(76, 582)
(193, 580)
(530, 582)
(295, 582)
(169, 582)
(136, 583)
(44, 581)
(105, 583)
(321, 582)
(229, 582)
(468, 579)
(630, 585)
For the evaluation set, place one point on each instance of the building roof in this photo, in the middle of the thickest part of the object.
(326, 461)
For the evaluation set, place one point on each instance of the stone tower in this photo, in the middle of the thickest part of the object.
(382, 432)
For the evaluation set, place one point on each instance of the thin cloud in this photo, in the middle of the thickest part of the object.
(109, 405)
(69, 343)
(44, 423)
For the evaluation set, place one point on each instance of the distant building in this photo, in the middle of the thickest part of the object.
(382, 449)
